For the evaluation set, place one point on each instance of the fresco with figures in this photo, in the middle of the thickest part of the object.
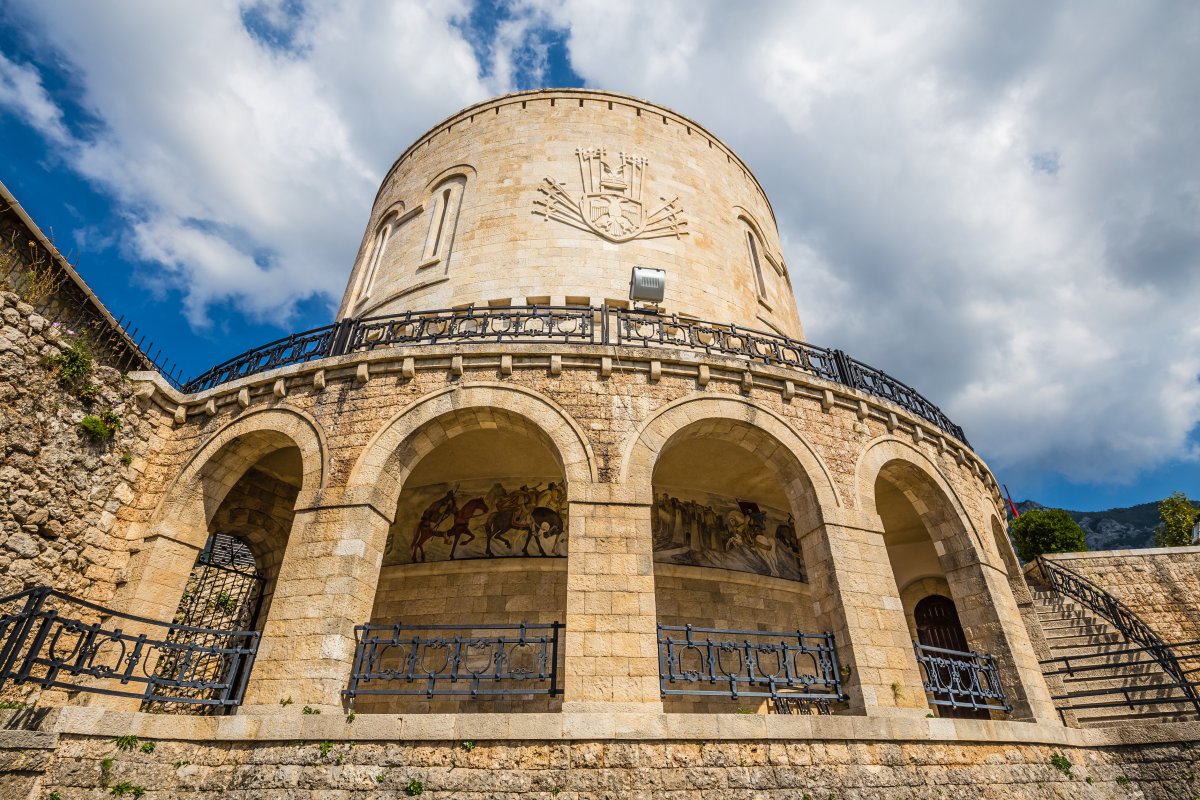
(707, 530)
(496, 518)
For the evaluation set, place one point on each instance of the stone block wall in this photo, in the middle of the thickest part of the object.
(483, 592)
(88, 767)
(714, 598)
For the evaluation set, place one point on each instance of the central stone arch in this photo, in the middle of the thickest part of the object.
(734, 491)
(472, 485)
(400, 444)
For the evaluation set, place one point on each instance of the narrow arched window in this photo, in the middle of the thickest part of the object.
(443, 217)
(367, 282)
(756, 262)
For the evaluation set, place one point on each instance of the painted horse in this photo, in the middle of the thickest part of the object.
(543, 522)
(462, 523)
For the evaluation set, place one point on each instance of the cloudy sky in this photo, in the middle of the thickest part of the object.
(997, 202)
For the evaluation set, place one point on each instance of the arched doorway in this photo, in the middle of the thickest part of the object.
(229, 586)
(937, 623)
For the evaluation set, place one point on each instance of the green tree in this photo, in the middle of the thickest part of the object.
(1178, 515)
(1046, 530)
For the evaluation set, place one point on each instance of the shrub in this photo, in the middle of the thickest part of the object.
(1061, 763)
(1178, 515)
(75, 365)
(101, 428)
(126, 742)
(414, 788)
(1046, 530)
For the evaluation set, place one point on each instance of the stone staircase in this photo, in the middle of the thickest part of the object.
(1108, 681)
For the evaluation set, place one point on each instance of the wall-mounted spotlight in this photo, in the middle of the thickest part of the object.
(647, 285)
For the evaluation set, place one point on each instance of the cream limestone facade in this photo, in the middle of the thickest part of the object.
(648, 465)
(607, 488)
(551, 197)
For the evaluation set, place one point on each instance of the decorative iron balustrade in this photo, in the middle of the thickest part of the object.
(578, 324)
(1136, 693)
(961, 680)
(297, 348)
(46, 641)
(509, 324)
(470, 660)
(781, 665)
(1067, 582)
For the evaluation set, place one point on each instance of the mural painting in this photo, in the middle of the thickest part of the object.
(479, 519)
(708, 530)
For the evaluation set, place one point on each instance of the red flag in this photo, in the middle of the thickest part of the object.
(1011, 504)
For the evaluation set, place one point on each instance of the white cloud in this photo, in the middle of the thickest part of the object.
(249, 169)
(21, 92)
(998, 203)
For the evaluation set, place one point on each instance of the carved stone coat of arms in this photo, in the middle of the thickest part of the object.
(611, 204)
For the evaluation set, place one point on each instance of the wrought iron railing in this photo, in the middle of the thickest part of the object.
(718, 662)
(47, 641)
(578, 324)
(470, 660)
(1109, 666)
(961, 680)
(1067, 582)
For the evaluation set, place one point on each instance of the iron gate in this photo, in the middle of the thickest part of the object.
(224, 593)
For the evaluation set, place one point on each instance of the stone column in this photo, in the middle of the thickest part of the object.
(611, 633)
(855, 596)
(326, 586)
(993, 624)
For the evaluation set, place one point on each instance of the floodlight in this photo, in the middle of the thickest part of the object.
(647, 285)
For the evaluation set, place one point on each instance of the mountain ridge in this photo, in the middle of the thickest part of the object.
(1115, 529)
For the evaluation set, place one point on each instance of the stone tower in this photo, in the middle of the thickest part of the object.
(552, 198)
(491, 435)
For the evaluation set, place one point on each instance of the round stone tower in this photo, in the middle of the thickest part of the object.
(552, 197)
(491, 450)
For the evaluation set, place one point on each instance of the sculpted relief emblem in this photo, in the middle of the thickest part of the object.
(611, 203)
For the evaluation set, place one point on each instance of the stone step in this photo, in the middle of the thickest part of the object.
(1077, 626)
(1097, 649)
(1108, 719)
(1096, 640)
(1146, 674)
(1140, 682)
(1069, 632)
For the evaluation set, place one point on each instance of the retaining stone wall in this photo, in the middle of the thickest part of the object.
(60, 492)
(749, 770)
(1161, 585)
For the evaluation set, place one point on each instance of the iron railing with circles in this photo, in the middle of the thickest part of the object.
(572, 324)
(797, 671)
(52, 639)
(1066, 581)
(960, 679)
(472, 660)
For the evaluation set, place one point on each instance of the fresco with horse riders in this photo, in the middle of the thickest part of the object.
(494, 518)
(707, 530)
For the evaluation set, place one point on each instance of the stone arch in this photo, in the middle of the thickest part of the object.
(921, 482)
(465, 171)
(387, 459)
(205, 480)
(805, 478)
